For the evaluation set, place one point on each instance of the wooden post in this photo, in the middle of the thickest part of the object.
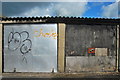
(1, 47)
(61, 47)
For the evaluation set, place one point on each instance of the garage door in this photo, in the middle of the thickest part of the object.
(30, 47)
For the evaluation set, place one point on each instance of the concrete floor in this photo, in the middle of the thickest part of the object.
(61, 76)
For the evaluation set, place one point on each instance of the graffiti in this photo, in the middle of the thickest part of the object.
(27, 44)
(41, 34)
(91, 51)
(14, 38)
(20, 41)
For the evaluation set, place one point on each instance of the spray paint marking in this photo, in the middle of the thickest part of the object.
(48, 34)
(15, 42)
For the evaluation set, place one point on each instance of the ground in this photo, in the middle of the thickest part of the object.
(62, 76)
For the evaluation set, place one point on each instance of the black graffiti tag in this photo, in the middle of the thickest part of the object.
(26, 44)
(20, 41)
(14, 41)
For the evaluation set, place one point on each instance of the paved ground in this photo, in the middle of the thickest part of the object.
(61, 79)
(62, 76)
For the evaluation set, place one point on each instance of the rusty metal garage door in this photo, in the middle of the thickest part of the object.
(30, 47)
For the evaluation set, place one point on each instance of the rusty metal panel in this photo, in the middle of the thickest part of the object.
(30, 48)
(92, 63)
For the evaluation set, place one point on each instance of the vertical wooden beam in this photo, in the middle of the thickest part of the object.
(117, 49)
(1, 47)
(61, 47)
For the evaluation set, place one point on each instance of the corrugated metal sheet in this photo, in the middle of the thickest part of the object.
(67, 20)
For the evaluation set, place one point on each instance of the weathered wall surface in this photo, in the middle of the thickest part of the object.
(81, 37)
(93, 63)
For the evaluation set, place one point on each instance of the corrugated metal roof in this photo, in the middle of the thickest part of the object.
(67, 20)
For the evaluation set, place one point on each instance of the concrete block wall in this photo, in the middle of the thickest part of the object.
(90, 64)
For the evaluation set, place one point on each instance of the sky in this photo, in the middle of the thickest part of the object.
(75, 9)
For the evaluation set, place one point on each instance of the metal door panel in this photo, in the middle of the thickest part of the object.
(30, 47)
